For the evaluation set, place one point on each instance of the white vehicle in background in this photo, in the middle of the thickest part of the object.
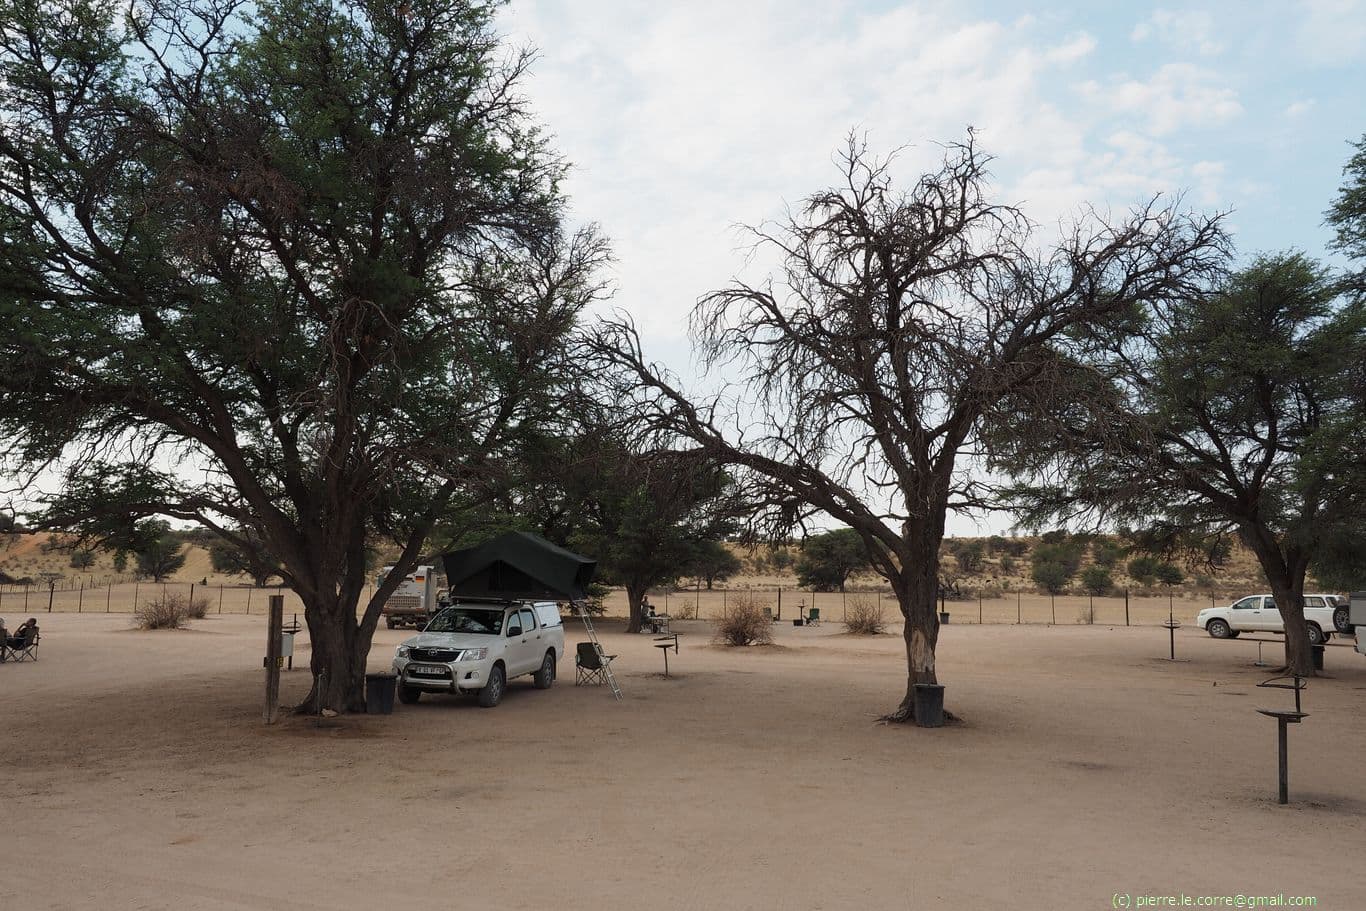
(478, 646)
(415, 599)
(1258, 613)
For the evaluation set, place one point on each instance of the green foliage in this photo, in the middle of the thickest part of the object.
(1097, 580)
(1056, 536)
(1106, 552)
(159, 554)
(828, 560)
(968, 554)
(1015, 547)
(1169, 574)
(1066, 553)
(82, 558)
(314, 250)
(245, 556)
(1143, 569)
(1347, 215)
(1340, 563)
(1051, 577)
(1007, 564)
(996, 544)
(713, 561)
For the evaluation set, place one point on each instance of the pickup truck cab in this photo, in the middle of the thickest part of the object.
(1258, 613)
(478, 646)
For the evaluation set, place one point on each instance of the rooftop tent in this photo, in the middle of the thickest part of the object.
(518, 565)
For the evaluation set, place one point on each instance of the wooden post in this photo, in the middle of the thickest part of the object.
(1126, 607)
(220, 597)
(248, 601)
(51, 589)
(26, 599)
(844, 605)
(191, 594)
(108, 595)
(979, 607)
(80, 598)
(1017, 608)
(780, 602)
(135, 596)
(1053, 608)
(274, 626)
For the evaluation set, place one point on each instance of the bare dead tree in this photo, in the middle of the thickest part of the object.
(897, 324)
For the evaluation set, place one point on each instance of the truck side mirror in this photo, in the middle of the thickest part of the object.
(514, 629)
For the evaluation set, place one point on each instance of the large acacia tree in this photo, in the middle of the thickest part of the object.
(899, 321)
(1206, 416)
(291, 269)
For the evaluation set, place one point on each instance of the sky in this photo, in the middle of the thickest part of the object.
(686, 120)
(683, 120)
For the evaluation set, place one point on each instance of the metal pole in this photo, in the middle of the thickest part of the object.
(220, 597)
(136, 586)
(1126, 607)
(780, 602)
(248, 601)
(80, 599)
(1053, 607)
(108, 596)
(1017, 608)
(51, 589)
(26, 599)
(844, 605)
(979, 608)
(1283, 765)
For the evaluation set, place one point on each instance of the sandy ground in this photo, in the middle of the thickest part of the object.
(137, 774)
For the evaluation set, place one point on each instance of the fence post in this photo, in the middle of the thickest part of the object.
(844, 605)
(780, 602)
(108, 596)
(80, 599)
(136, 586)
(1126, 606)
(1053, 608)
(979, 607)
(51, 590)
(220, 597)
(1017, 608)
(274, 627)
(26, 599)
(249, 601)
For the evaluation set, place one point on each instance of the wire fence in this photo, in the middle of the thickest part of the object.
(117, 595)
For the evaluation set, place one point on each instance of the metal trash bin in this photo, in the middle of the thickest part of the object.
(379, 693)
(929, 705)
(1316, 655)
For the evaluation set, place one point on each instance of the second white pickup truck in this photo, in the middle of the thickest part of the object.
(1259, 613)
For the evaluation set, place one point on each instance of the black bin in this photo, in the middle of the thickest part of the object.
(1316, 652)
(929, 705)
(379, 693)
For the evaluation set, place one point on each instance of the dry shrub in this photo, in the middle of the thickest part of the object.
(864, 617)
(163, 612)
(1086, 616)
(745, 623)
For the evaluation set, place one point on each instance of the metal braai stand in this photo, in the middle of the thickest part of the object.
(1283, 720)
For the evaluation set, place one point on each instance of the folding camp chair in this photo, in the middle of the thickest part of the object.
(590, 664)
(25, 649)
(813, 617)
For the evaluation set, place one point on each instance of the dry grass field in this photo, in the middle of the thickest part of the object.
(138, 775)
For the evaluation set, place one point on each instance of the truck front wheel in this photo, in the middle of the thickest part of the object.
(492, 693)
(1219, 629)
(409, 695)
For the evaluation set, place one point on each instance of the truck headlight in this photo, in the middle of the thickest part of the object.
(473, 654)
(402, 651)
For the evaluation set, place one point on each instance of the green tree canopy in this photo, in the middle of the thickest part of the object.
(289, 266)
(828, 560)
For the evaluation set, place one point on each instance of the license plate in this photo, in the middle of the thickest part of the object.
(428, 670)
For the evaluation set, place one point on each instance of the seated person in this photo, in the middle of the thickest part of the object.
(19, 637)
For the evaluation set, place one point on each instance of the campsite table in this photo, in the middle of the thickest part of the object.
(658, 623)
(664, 643)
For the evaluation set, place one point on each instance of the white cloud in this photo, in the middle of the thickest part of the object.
(1184, 30)
(1299, 108)
(1177, 95)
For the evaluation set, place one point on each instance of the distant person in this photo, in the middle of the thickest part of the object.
(646, 608)
(21, 635)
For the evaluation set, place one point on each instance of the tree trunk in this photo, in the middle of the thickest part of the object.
(1285, 571)
(635, 596)
(340, 648)
(916, 589)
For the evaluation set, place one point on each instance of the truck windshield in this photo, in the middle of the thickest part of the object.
(461, 619)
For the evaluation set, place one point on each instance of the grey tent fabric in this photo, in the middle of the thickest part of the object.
(518, 565)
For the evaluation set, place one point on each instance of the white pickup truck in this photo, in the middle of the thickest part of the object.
(478, 646)
(1258, 613)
